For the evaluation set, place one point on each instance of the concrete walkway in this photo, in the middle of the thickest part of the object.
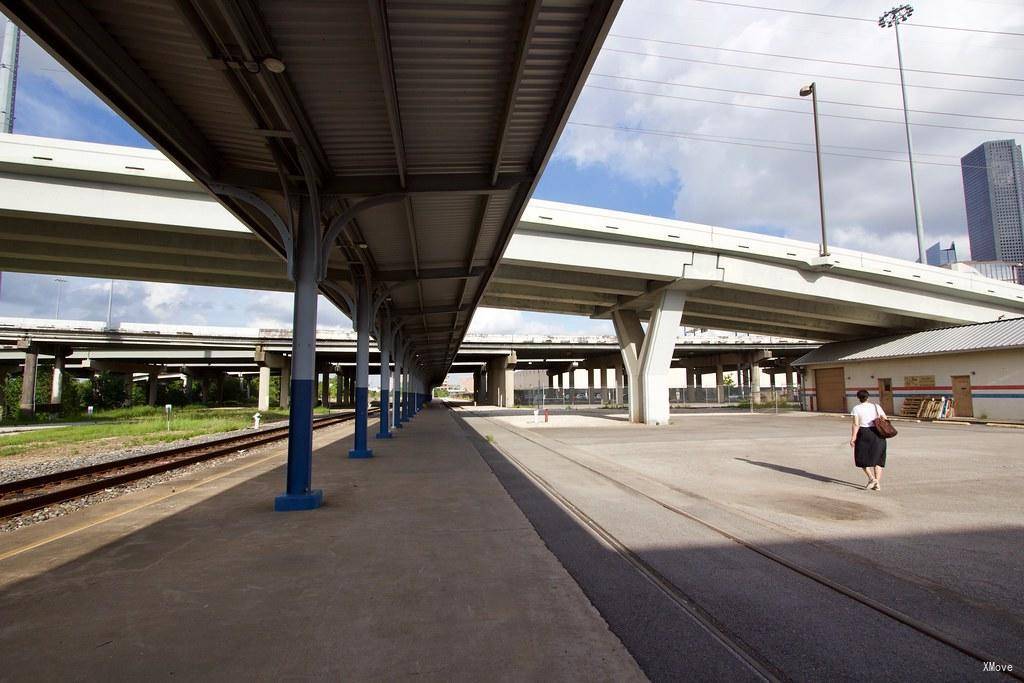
(418, 565)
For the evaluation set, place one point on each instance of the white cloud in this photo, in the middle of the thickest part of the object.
(743, 184)
(501, 321)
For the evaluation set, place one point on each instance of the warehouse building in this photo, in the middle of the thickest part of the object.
(978, 369)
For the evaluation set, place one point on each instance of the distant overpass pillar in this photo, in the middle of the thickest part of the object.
(57, 385)
(286, 386)
(263, 402)
(27, 404)
(325, 388)
(617, 377)
(755, 381)
(560, 381)
(551, 380)
(572, 384)
(364, 313)
(154, 382)
(604, 385)
(720, 382)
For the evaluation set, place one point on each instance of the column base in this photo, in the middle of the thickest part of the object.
(302, 501)
(399, 426)
(360, 454)
(381, 435)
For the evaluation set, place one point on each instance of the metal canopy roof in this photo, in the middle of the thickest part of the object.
(990, 336)
(449, 108)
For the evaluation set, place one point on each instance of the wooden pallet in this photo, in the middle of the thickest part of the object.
(912, 406)
(927, 407)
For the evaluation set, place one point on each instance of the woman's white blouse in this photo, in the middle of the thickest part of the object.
(865, 413)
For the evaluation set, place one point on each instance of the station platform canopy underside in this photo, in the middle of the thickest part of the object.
(406, 135)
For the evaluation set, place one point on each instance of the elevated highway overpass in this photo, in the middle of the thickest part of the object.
(74, 208)
(208, 352)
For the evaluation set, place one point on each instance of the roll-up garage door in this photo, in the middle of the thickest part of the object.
(830, 386)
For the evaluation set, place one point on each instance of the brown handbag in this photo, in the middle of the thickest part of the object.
(883, 426)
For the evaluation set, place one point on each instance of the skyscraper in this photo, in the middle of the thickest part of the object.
(994, 193)
(937, 256)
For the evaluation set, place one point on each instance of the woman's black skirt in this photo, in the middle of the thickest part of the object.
(869, 451)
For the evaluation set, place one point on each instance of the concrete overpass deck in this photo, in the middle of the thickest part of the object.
(561, 258)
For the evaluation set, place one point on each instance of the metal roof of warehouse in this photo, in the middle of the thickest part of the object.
(454, 106)
(998, 334)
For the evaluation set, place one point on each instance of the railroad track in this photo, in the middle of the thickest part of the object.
(24, 495)
(755, 662)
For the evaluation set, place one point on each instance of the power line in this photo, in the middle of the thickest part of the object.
(848, 18)
(713, 138)
(805, 113)
(809, 75)
(728, 141)
(793, 97)
(815, 59)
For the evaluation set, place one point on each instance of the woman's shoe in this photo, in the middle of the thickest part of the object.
(870, 485)
(876, 485)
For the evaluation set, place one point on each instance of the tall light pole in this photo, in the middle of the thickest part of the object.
(892, 19)
(60, 283)
(9, 76)
(110, 301)
(812, 90)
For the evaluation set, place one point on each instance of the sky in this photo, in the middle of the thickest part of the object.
(714, 147)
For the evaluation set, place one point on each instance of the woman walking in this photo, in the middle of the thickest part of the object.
(868, 445)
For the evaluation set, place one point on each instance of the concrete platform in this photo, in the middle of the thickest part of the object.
(419, 565)
(940, 543)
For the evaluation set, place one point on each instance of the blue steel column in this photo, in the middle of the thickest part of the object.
(298, 494)
(384, 341)
(397, 398)
(360, 449)
(405, 389)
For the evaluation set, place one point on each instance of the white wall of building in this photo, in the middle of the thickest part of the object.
(997, 380)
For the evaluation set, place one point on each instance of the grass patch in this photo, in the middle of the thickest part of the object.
(138, 426)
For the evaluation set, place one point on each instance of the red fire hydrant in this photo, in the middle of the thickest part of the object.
(547, 414)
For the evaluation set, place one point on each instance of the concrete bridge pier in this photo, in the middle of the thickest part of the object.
(57, 384)
(648, 357)
(263, 398)
(27, 404)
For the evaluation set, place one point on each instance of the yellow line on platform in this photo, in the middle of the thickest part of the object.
(18, 551)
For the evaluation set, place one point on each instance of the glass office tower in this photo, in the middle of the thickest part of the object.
(994, 193)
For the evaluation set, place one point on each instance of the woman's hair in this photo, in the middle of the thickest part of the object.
(863, 395)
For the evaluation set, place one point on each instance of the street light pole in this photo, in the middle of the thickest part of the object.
(812, 90)
(893, 18)
(110, 301)
(60, 282)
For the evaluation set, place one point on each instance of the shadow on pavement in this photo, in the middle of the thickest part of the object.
(800, 473)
